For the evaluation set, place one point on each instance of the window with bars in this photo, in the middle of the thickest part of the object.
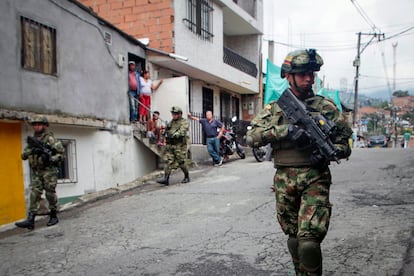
(38, 47)
(200, 18)
(67, 171)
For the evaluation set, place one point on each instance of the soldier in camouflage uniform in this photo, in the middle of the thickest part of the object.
(44, 169)
(302, 179)
(176, 146)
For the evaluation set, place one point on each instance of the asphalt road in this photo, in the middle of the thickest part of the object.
(223, 223)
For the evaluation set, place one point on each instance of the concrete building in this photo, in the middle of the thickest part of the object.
(215, 43)
(61, 60)
(68, 62)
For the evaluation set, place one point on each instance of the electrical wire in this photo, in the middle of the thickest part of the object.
(386, 73)
(319, 47)
(378, 77)
(364, 15)
(401, 33)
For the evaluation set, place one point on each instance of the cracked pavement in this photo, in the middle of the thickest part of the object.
(223, 223)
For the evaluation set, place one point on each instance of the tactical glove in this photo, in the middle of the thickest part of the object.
(318, 161)
(37, 151)
(299, 136)
(55, 159)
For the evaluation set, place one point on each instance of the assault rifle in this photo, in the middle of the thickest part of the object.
(317, 127)
(41, 149)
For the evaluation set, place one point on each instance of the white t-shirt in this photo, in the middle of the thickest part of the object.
(146, 86)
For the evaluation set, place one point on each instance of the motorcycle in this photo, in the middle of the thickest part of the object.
(229, 144)
(260, 153)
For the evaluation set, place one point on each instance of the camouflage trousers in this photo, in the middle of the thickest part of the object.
(302, 201)
(45, 179)
(175, 156)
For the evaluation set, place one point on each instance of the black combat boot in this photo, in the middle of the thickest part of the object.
(166, 180)
(28, 223)
(53, 218)
(186, 177)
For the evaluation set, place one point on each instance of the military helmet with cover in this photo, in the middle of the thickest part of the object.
(176, 109)
(301, 61)
(39, 119)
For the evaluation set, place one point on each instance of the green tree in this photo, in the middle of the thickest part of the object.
(400, 93)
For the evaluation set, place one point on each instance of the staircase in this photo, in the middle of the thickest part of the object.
(140, 133)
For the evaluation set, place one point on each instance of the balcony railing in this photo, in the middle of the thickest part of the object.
(197, 133)
(235, 60)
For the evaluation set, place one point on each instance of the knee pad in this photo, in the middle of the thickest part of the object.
(292, 244)
(310, 256)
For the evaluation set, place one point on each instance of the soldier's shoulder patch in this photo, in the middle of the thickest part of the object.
(51, 139)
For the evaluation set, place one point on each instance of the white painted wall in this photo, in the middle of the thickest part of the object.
(104, 159)
(190, 45)
(172, 92)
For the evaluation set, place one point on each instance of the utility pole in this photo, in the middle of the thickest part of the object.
(357, 63)
(271, 51)
(394, 67)
(393, 108)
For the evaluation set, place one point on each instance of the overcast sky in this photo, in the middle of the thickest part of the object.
(331, 27)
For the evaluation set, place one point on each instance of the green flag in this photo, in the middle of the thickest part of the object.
(333, 95)
(275, 85)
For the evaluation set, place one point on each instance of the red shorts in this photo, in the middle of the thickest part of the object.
(145, 101)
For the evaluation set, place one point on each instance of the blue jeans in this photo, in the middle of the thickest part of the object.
(213, 148)
(133, 105)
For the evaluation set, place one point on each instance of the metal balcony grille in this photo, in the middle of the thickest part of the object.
(235, 60)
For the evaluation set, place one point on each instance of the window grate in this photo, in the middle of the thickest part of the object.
(200, 18)
(68, 171)
(38, 47)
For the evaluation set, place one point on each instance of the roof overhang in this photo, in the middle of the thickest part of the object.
(184, 68)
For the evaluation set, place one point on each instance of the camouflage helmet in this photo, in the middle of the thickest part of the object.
(176, 109)
(300, 61)
(39, 119)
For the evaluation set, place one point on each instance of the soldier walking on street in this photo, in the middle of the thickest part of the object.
(176, 146)
(45, 154)
(302, 179)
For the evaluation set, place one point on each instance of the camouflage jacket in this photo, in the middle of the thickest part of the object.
(271, 126)
(176, 132)
(38, 160)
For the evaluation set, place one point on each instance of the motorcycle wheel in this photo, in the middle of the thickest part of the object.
(240, 151)
(259, 153)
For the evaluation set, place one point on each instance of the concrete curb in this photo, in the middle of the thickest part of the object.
(113, 191)
(95, 196)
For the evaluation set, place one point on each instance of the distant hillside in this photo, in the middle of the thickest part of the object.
(385, 94)
(368, 99)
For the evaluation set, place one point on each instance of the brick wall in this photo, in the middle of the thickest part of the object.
(139, 18)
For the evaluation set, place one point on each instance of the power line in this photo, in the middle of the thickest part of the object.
(364, 15)
(319, 47)
(400, 33)
(377, 77)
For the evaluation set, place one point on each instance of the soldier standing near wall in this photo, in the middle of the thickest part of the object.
(45, 154)
(302, 179)
(176, 146)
